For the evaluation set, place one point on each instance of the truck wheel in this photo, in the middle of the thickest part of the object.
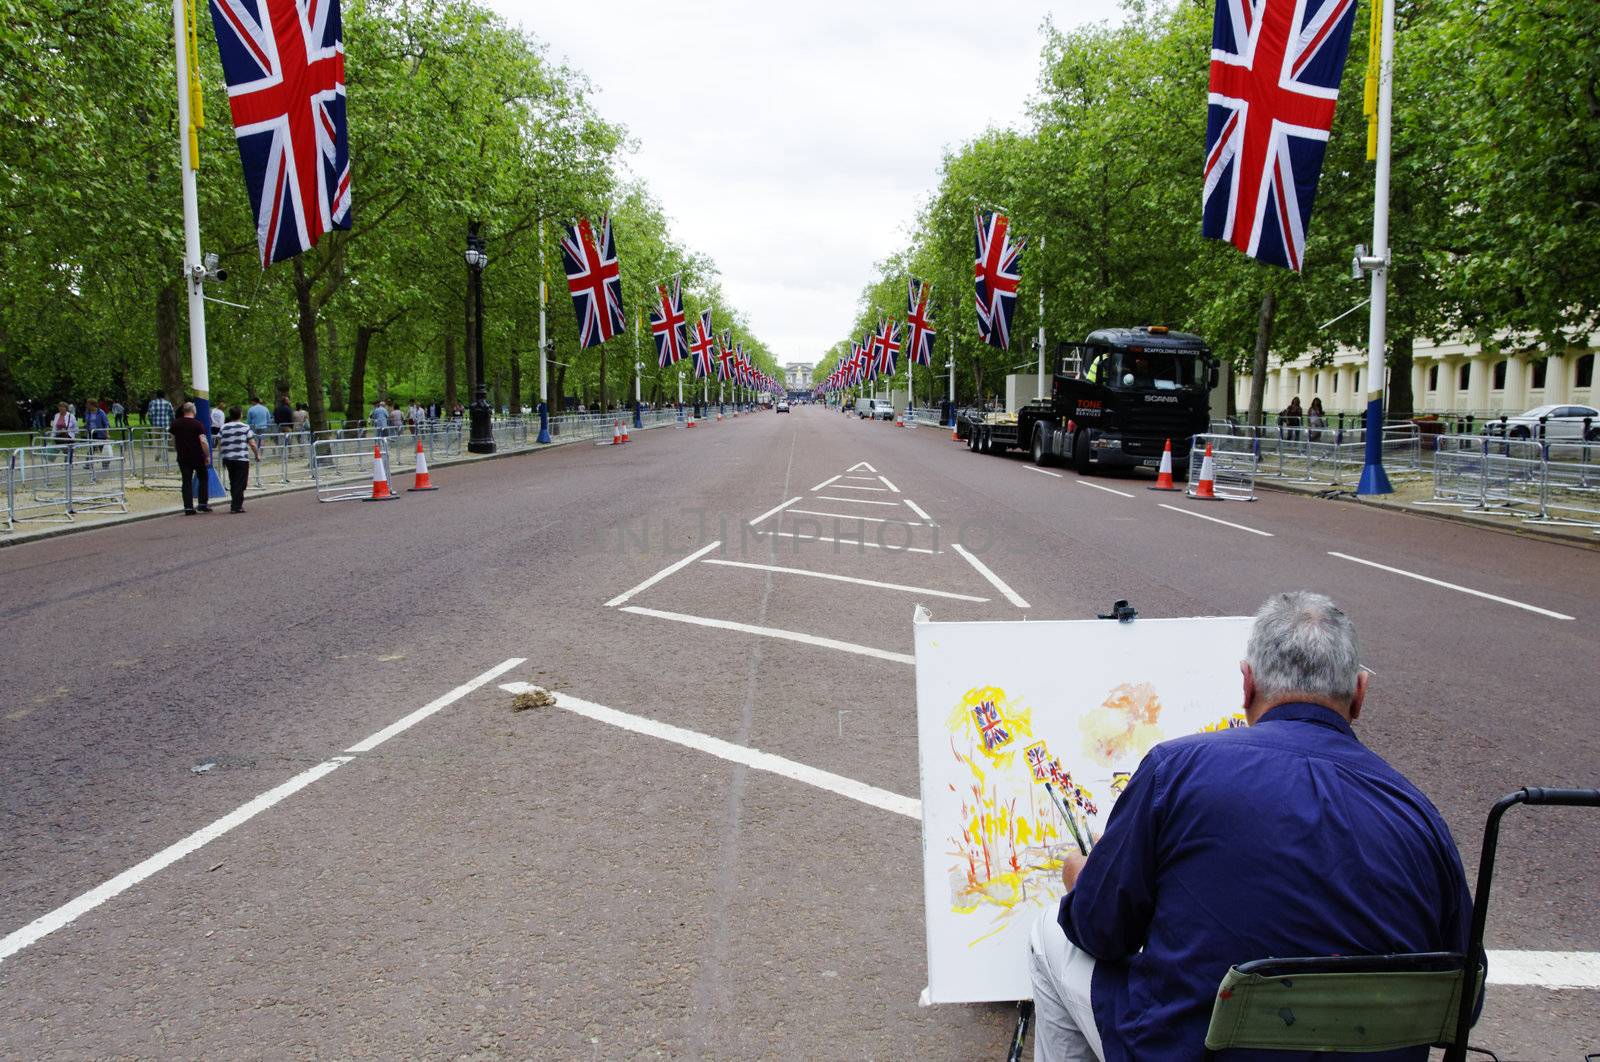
(1041, 447)
(984, 441)
(972, 438)
(1080, 453)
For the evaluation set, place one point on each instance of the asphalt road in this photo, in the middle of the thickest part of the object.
(545, 884)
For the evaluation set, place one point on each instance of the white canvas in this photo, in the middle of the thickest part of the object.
(1076, 701)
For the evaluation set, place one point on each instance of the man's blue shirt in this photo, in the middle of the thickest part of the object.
(1285, 838)
(258, 417)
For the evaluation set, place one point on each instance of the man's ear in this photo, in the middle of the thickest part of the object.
(1249, 685)
(1360, 695)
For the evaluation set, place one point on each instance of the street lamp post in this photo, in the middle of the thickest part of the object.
(482, 440)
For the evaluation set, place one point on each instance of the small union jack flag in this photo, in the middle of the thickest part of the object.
(725, 357)
(668, 325)
(888, 341)
(1038, 758)
(595, 279)
(919, 329)
(704, 345)
(1275, 71)
(997, 273)
(284, 64)
(995, 733)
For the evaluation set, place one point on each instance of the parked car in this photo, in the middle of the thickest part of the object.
(874, 409)
(1563, 423)
(783, 407)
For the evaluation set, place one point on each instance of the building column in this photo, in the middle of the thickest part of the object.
(1477, 399)
(1558, 369)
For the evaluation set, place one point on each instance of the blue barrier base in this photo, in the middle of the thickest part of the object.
(544, 423)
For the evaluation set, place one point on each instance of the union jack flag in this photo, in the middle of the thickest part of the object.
(1275, 71)
(1038, 758)
(668, 325)
(997, 273)
(703, 346)
(888, 339)
(284, 64)
(595, 279)
(919, 330)
(869, 356)
(725, 357)
(995, 733)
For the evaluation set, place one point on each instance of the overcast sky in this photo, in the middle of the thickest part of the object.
(794, 142)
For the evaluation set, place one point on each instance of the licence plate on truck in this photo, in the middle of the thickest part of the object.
(1151, 462)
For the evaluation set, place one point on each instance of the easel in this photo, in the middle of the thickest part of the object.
(1122, 612)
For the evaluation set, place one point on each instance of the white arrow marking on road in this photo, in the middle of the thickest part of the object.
(1213, 519)
(846, 486)
(774, 632)
(859, 465)
(918, 510)
(669, 569)
(885, 481)
(855, 516)
(853, 501)
(1452, 586)
(774, 509)
(824, 483)
(849, 542)
(983, 570)
(910, 807)
(843, 579)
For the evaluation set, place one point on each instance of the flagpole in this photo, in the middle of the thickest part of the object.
(1039, 391)
(952, 368)
(1373, 478)
(194, 270)
(544, 354)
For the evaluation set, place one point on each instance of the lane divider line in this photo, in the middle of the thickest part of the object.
(1453, 586)
(774, 632)
(825, 482)
(838, 784)
(1041, 471)
(441, 703)
(1108, 490)
(885, 481)
(774, 509)
(1213, 519)
(1546, 969)
(77, 907)
(983, 570)
(853, 501)
(918, 510)
(855, 516)
(843, 579)
(850, 542)
(668, 570)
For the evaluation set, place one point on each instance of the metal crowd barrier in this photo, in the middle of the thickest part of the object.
(342, 468)
(1551, 483)
(1326, 455)
(58, 480)
(1234, 464)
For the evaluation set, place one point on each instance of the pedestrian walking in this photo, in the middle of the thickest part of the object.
(380, 418)
(217, 419)
(193, 446)
(301, 418)
(97, 428)
(1316, 420)
(236, 446)
(1290, 418)
(158, 412)
(63, 431)
(119, 414)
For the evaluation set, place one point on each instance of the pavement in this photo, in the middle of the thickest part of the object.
(266, 796)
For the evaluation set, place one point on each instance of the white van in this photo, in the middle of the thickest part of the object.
(875, 408)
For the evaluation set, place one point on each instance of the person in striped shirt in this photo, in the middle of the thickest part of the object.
(235, 446)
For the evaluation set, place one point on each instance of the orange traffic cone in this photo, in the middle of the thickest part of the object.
(420, 480)
(380, 478)
(690, 424)
(899, 420)
(955, 435)
(616, 434)
(1164, 475)
(624, 429)
(1206, 488)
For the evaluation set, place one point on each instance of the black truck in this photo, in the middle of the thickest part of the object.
(1114, 402)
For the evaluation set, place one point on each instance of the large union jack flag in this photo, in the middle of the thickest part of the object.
(919, 329)
(1275, 71)
(725, 357)
(668, 326)
(595, 279)
(888, 340)
(997, 273)
(704, 345)
(284, 64)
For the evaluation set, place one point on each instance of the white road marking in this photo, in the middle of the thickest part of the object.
(849, 542)
(838, 784)
(855, 516)
(1213, 519)
(1453, 586)
(853, 501)
(774, 632)
(846, 486)
(844, 579)
(774, 509)
(1042, 472)
(869, 479)
(428, 709)
(859, 465)
(824, 483)
(983, 570)
(74, 909)
(1547, 969)
(885, 481)
(918, 510)
(1108, 490)
(669, 569)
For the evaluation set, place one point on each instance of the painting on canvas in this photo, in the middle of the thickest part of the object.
(1026, 734)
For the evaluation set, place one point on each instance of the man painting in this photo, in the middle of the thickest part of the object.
(1287, 837)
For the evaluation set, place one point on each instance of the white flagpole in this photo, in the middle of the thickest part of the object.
(1373, 478)
(1039, 392)
(544, 367)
